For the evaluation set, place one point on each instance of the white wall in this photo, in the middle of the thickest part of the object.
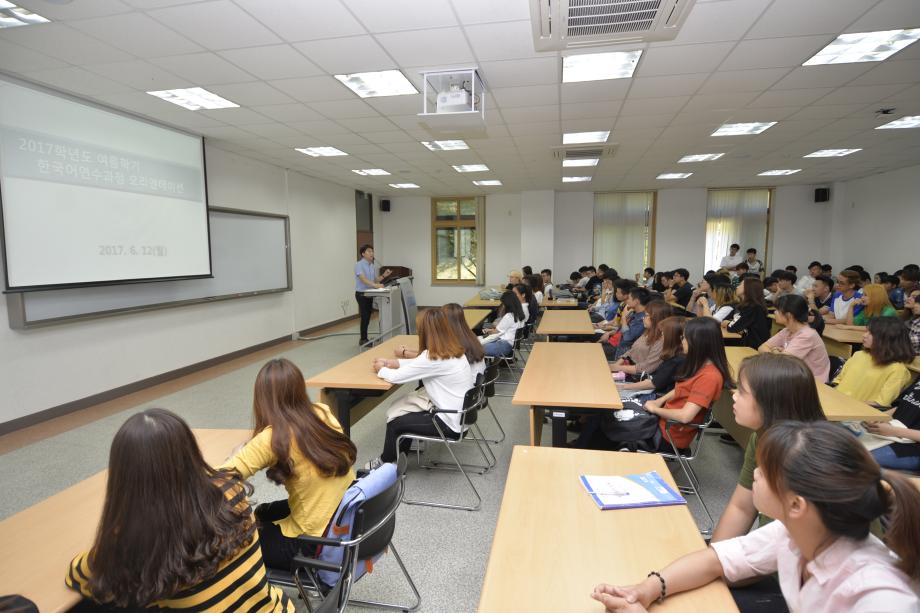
(800, 228)
(47, 367)
(574, 233)
(538, 210)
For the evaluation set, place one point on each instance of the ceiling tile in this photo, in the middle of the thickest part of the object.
(834, 75)
(363, 125)
(503, 41)
(660, 87)
(251, 94)
(861, 93)
(790, 97)
(203, 68)
(402, 14)
(722, 101)
(733, 18)
(589, 110)
(272, 62)
(526, 96)
(296, 20)
(395, 136)
(594, 91)
(487, 11)
(743, 80)
(774, 52)
(396, 105)
(794, 18)
(66, 11)
(314, 89)
(886, 15)
(271, 130)
(318, 127)
(288, 112)
(515, 73)
(346, 55)
(886, 73)
(682, 59)
(236, 116)
(138, 34)
(64, 43)
(79, 81)
(344, 109)
(531, 114)
(17, 58)
(235, 28)
(653, 106)
(836, 110)
(140, 75)
(441, 46)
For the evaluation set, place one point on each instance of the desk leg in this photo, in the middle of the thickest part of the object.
(340, 407)
(536, 426)
(558, 418)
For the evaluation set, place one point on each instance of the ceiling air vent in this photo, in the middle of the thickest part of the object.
(567, 24)
(582, 153)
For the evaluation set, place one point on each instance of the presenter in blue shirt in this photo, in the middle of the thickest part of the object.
(366, 278)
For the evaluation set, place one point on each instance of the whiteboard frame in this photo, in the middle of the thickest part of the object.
(16, 302)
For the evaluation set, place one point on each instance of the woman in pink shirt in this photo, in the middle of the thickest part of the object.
(825, 490)
(798, 338)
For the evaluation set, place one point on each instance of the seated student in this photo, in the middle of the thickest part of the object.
(739, 272)
(806, 282)
(443, 368)
(771, 388)
(703, 288)
(722, 303)
(912, 305)
(475, 354)
(528, 303)
(794, 270)
(662, 379)
(546, 276)
(877, 374)
(825, 490)
(658, 284)
(753, 264)
(175, 533)
(900, 456)
(875, 304)
(821, 293)
(892, 287)
(645, 354)
(302, 446)
(514, 277)
(798, 338)
(910, 280)
(613, 318)
(770, 288)
(827, 270)
(846, 291)
(527, 271)
(750, 318)
(535, 283)
(785, 281)
(731, 261)
(632, 327)
(500, 342)
(574, 279)
(682, 288)
(647, 279)
(598, 309)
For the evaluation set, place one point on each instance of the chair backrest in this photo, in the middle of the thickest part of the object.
(472, 402)
(491, 376)
(375, 510)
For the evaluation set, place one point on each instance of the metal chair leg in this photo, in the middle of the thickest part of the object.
(386, 605)
(426, 503)
(497, 423)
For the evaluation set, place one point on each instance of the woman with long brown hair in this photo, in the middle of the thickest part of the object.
(662, 379)
(302, 445)
(825, 490)
(645, 354)
(175, 534)
(750, 318)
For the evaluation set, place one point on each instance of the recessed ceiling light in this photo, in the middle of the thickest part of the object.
(194, 99)
(317, 152)
(374, 84)
(404, 185)
(599, 66)
(737, 129)
(674, 175)
(12, 16)
(577, 138)
(487, 182)
(446, 145)
(370, 172)
(864, 47)
(904, 122)
(778, 173)
(700, 157)
(575, 179)
(471, 168)
(582, 162)
(831, 153)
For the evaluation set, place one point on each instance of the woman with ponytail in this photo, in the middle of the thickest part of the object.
(824, 489)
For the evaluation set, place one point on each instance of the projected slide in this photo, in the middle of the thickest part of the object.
(90, 196)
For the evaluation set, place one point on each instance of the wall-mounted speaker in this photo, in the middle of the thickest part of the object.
(385, 205)
(822, 194)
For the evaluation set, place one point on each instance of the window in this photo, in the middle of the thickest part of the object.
(736, 216)
(624, 231)
(457, 241)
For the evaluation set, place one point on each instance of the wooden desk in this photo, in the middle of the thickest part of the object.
(478, 303)
(531, 571)
(564, 376)
(342, 385)
(39, 542)
(474, 317)
(562, 322)
(841, 342)
(560, 303)
(726, 335)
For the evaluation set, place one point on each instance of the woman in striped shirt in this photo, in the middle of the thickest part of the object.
(175, 534)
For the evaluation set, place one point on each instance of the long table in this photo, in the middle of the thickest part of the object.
(552, 544)
(565, 323)
(564, 376)
(39, 542)
(474, 317)
(352, 388)
(841, 342)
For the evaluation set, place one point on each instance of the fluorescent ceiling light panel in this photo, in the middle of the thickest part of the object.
(376, 84)
(12, 16)
(779, 173)
(737, 129)
(831, 153)
(471, 168)
(487, 182)
(317, 152)
(864, 47)
(578, 138)
(446, 145)
(404, 185)
(700, 157)
(674, 175)
(368, 172)
(575, 179)
(194, 99)
(599, 66)
(904, 122)
(582, 162)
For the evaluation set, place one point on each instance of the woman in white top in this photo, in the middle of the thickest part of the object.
(825, 490)
(443, 369)
(720, 304)
(500, 343)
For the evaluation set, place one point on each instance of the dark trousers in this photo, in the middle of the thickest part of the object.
(365, 308)
(278, 551)
(411, 423)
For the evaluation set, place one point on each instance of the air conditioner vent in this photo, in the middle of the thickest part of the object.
(581, 153)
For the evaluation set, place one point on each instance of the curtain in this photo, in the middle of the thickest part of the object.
(736, 216)
(621, 230)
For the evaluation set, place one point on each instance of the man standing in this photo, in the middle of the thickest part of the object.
(732, 260)
(366, 278)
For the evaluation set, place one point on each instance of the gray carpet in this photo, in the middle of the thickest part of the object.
(445, 551)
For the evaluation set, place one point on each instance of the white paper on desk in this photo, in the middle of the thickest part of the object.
(874, 441)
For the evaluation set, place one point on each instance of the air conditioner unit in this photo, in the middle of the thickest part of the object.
(569, 152)
(570, 24)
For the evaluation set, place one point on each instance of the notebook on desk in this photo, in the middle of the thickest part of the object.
(630, 491)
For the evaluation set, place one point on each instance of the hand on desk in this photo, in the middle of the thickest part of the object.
(882, 428)
(619, 598)
(384, 363)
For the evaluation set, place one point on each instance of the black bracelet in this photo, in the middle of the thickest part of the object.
(664, 587)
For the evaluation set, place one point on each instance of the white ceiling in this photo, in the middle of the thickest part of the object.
(733, 61)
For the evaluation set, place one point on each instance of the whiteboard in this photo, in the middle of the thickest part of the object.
(250, 255)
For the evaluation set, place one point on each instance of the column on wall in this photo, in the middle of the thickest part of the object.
(538, 210)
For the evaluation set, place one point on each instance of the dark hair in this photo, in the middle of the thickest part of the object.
(582, 268)
(658, 283)
(547, 271)
(734, 246)
(890, 341)
(527, 270)
(865, 277)
(471, 345)
(828, 466)
(166, 522)
(672, 330)
(649, 270)
(667, 274)
(705, 344)
(535, 282)
(794, 305)
(533, 307)
(683, 272)
(783, 387)
(280, 401)
(575, 276)
(624, 285)
(511, 304)
(793, 269)
(753, 293)
(815, 263)
(602, 267)
(743, 265)
(611, 275)
(910, 274)
(641, 294)
(768, 281)
(891, 280)
(656, 311)
(751, 250)
(855, 267)
(912, 267)
(826, 281)
(785, 275)
(590, 269)
(365, 247)
(826, 267)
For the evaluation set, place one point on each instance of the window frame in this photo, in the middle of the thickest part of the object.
(766, 256)
(477, 224)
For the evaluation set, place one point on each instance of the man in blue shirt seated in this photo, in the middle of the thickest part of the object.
(366, 278)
